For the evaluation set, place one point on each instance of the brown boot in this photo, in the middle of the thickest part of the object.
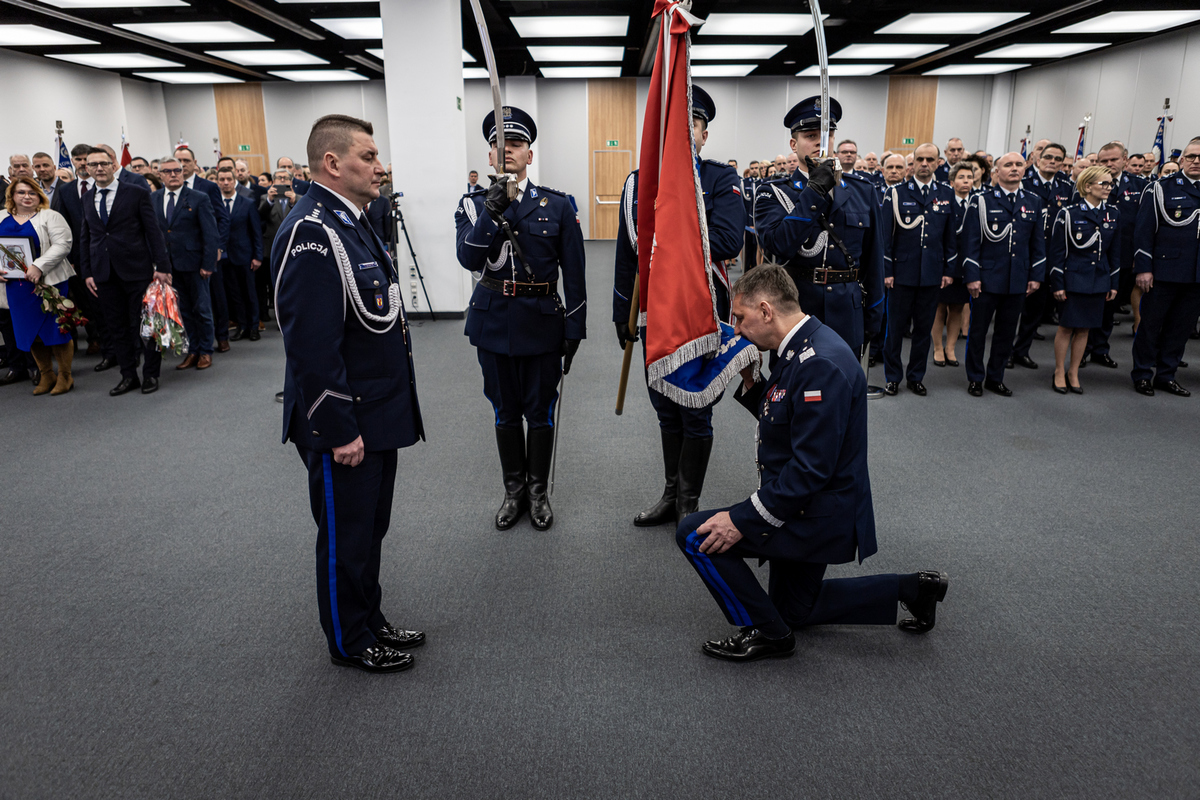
(41, 355)
(64, 354)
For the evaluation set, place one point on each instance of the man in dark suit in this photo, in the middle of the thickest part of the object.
(244, 256)
(246, 180)
(121, 251)
(124, 175)
(813, 505)
(187, 223)
(192, 179)
(273, 208)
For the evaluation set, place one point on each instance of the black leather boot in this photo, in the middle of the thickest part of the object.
(511, 444)
(693, 464)
(539, 450)
(664, 510)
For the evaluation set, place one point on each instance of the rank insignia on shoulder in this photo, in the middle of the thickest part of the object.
(789, 355)
(343, 216)
(533, 192)
(544, 201)
(813, 396)
(778, 395)
(806, 354)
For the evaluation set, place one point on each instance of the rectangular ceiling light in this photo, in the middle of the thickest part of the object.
(317, 75)
(354, 27)
(1132, 22)
(188, 77)
(886, 50)
(581, 72)
(112, 3)
(757, 24)
(114, 60)
(471, 73)
(729, 52)
(36, 35)
(1043, 50)
(193, 32)
(562, 27)
(593, 53)
(950, 24)
(844, 70)
(722, 70)
(975, 69)
(254, 58)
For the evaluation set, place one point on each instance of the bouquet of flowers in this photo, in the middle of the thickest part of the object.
(65, 312)
(162, 324)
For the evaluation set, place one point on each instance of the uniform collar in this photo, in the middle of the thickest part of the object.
(782, 345)
(354, 211)
(917, 182)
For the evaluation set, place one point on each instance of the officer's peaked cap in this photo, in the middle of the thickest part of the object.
(806, 115)
(703, 105)
(517, 125)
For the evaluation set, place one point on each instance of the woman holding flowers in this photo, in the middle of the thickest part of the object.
(27, 213)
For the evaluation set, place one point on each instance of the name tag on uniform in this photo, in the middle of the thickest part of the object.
(369, 265)
(812, 396)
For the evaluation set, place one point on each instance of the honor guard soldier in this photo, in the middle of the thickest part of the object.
(1004, 261)
(825, 231)
(920, 252)
(1126, 197)
(524, 335)
(1166, 266)
(687, 434)
(1055, 192)
(349, 395)
(813, 504)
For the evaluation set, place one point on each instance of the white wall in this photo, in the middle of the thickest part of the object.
(291, 108)
(962, 111)
(145, 116)
(192, 116)
(1123, 88)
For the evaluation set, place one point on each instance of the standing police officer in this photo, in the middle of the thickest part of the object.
(813, 504)
(1167, 269)
(826, 231)
(524, 336)
(687, 434)
(1055, 192)
(349, 396)
(920, 252)
(1004, 261)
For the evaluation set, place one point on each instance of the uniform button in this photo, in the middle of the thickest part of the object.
(358, 399)
(829, 288)
(316, 434)
(813, 208)
(376, 283)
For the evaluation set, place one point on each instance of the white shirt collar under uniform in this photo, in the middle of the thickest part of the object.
(782, 345)
(354, 211)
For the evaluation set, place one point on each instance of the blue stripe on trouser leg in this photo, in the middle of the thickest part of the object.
(332, 536)
(708, 572)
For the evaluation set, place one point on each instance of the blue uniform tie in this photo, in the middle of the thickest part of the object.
(170, 206)
(104, 206)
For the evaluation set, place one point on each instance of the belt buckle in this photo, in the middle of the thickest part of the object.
(506, 291)
(821, 276)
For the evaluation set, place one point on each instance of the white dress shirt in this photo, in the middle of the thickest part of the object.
(109, 197)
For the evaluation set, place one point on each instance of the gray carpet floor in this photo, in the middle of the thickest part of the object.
(161, 640)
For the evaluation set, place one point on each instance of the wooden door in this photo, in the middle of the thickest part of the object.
(912, 102)
(241, 122)
(612, 135)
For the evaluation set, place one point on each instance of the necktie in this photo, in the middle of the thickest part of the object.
(229, 206)
(170, 206)
(924, 192)
(104, 206)
(82, 188)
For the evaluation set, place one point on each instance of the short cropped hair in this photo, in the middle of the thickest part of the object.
(1088, 177)
(333, 133)
(40, 154)
(80, 150)
(1114, 146)
(188, 150)
(224, 169)
(1055, 146)
(846, 141)
(769, 282)
(962, 166)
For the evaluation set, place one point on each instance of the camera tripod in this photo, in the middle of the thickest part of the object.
(395, 227)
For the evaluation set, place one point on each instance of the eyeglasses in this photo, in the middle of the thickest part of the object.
(165, 171)
(1190, 157)
(1105, 184)
(91, 164)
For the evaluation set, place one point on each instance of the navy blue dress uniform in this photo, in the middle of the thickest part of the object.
(1126, 196)
(1166, 239)
(1083, 255)
(788, 215)
(920, 246)
(520, 326)
(1055, 194)
(686, 433)
(813, 505)
(349, 374)
(1004, 249)
(748, 186)
(956, 293)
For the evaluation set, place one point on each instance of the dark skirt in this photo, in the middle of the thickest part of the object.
(955, 294)
(1081, 311)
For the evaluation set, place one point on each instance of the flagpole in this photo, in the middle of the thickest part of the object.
(628, 359)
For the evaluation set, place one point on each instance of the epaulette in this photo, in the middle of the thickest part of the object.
(558, 192)
(777, 179)
(719, 163)
(472, 194)
(315, 214)
(846, 175)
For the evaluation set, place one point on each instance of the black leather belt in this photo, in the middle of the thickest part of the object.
(517, 289)
(827, 276)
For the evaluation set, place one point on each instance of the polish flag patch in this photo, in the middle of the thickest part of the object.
(813, 396)
(737, 191)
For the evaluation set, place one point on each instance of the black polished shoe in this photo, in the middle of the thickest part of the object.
(1144, 387)
(14, 376)
(937, 363)
(377, 658)
(917, 388)
(663, 511)
(931, 590)
(399, 639)
(872, 361)
(510, 442)
(539, 449)
(1074, 389)
(149, 385)
(105, 363)
(1056, 387)
(1172, 387)
(975, 388)
(891, 388)
(998, 388)
(951, 362)
(279, 397)
(1024, 361)
(126, 385)
(253, 335)
(1104, 360)
(750, 645)
(1182, 364)
(238, 335)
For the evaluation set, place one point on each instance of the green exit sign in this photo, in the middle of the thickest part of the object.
(908, 140)
(243, 148)
(613, 143)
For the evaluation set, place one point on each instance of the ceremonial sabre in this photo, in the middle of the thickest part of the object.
(562, 384)
(494, 79)
(823, 63)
